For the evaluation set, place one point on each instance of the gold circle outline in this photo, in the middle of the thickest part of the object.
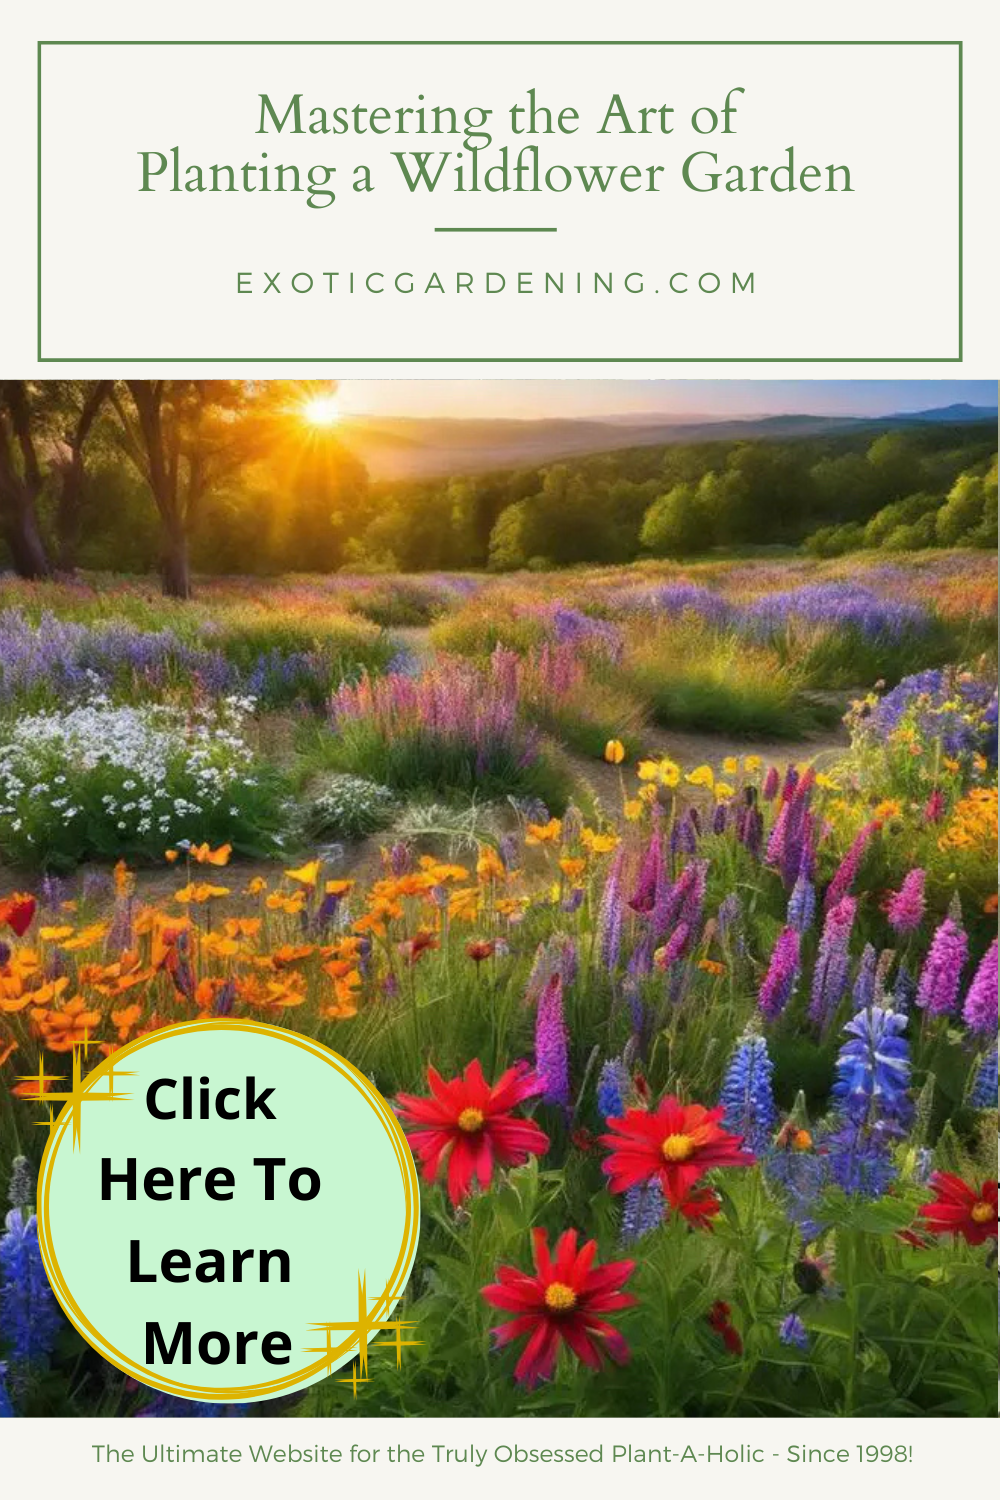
(297, 1380)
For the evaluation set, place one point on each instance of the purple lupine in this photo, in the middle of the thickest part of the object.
(905, 907)
(729, 914)
(552, 1043)
(683, 901)
(940, 977)
(675, 946)
(846, 872)
(980, 1009)
(633, 997)
(684, 836)
(782, 972)
(650, 876)
(611, 913)
(864, 981)
(720, 817)
(830, 973)
(772, 781)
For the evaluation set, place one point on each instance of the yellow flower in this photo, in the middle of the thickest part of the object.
(204, 855)
(664, 771)
(544, 833)
(200, 893)
(950, 764)
(633, 809)
(752, 762)
(723, 791)
(887, 809)
(489, 865)
(86, 937)
(573, 869)
(290, 905)
(701, 776)
(731, 765)
(307, 874)
(826, 783)
(614, 752)
(598, 843)
(55, 934)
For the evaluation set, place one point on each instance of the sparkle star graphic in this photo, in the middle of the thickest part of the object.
(360, 1332)
(77, 1095)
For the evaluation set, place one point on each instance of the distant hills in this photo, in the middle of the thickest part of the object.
(400, 448)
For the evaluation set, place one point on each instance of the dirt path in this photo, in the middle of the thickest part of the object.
(597, 781)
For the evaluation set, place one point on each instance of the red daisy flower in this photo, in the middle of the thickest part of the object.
(470, 1121)
(961, 1209)
(562, 1303)
(675, 1143)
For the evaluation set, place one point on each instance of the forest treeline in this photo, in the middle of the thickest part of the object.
(231, 477)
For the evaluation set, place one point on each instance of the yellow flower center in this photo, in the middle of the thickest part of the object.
(677, 1147)
(982, 1212)
(559, 1297)
(471, 1120)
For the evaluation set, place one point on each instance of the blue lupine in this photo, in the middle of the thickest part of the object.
(793, 1332)
(984, 1091)
(747, 1094)
(642, 1211)
(612, 1088)
(802, 1175)
(873, 1068)
(859, 1158)
(904, 991)
(29, 1314)
(6, 1406)
(802, 904)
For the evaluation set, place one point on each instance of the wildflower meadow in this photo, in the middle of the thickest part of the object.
(660, 901)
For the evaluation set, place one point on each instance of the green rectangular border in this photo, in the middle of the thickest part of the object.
(313, 359)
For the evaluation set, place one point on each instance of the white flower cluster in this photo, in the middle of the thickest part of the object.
(141, 768)
(351, 807)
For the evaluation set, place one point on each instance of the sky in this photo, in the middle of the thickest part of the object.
(680, 398)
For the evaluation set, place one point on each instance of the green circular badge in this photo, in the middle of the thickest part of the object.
(228, 1211)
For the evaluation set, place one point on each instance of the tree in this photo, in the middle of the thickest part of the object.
(21, 478)
(966, 507)
(676, 524)
(79, 404)
(185, 437)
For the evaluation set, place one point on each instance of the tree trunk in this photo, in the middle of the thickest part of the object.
(24, 541)
(69, 514)
(175, 569)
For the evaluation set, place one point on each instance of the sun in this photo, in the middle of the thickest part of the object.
(321, 411)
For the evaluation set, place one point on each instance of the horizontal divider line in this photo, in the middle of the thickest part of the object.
(495, 229)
